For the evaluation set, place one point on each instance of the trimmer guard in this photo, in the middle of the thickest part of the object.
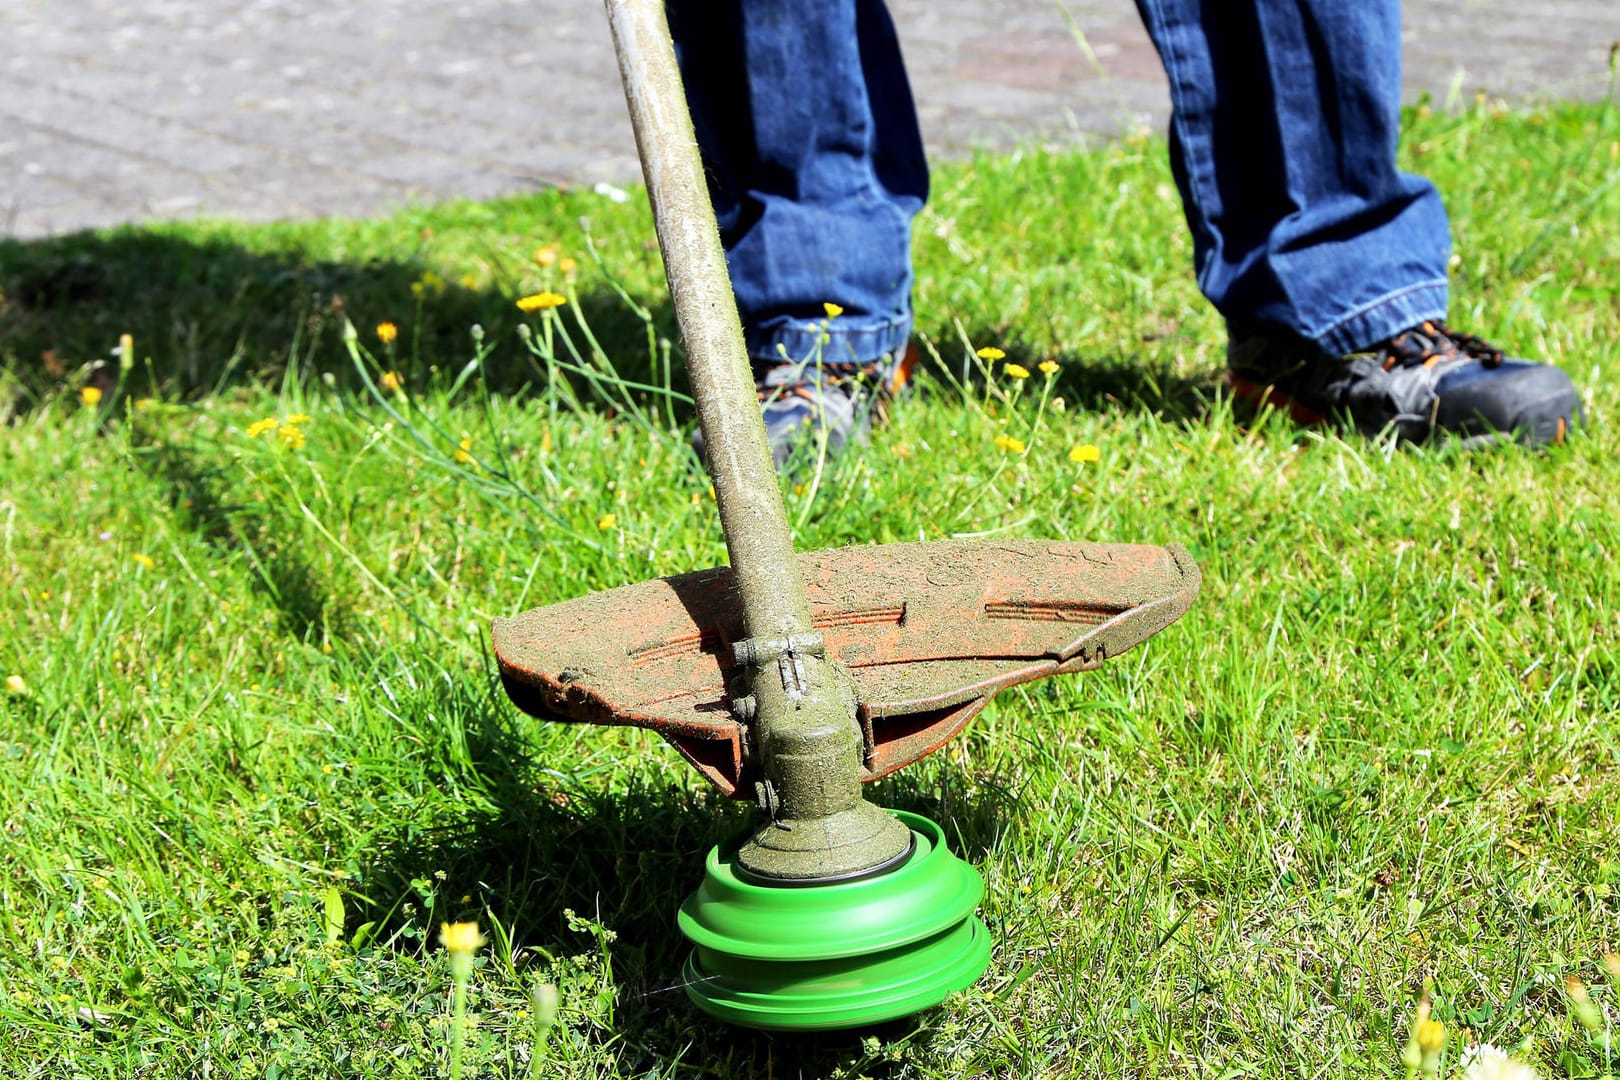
(929, 632)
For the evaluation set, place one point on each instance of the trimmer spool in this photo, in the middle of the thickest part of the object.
(791, 679)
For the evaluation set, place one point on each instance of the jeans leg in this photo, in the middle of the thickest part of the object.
(806, 122)
(1282, 140)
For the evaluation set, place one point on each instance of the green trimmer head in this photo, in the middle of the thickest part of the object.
(790, 680)
(857, 952)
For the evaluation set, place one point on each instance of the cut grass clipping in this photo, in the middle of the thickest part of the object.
(257, 770)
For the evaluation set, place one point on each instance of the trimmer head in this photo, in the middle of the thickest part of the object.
(859, 952)
(928, 633)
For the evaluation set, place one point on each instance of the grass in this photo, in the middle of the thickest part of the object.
(258, 752)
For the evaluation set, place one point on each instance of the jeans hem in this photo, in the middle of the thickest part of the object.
(849, 342)
(1384, 318)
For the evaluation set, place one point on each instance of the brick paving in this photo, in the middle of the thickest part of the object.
(133, 110)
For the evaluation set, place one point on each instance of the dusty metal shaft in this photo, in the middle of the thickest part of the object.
(751, 511)
(808, 739)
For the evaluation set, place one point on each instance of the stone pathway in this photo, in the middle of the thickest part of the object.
(132, 110)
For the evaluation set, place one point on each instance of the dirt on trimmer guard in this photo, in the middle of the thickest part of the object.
(928, 633)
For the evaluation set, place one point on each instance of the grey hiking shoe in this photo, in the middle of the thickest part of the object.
(1426, 382)
(803, 401)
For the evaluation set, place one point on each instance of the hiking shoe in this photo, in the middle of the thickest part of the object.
(803, 401)
(1424, 382)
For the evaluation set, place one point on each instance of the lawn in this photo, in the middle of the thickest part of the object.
(253, 750)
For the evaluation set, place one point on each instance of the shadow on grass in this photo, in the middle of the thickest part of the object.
(211, 313)
(622, 852)
(1151, 382)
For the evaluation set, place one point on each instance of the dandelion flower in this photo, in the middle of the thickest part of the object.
(1048, 367)
(464, 450)
(1083, 453)
(1486, 1062)
(461, 937)
(387, 332)
(391, 381)
(542, 301)
(142, 560)
(1017, 371)
(1009, 444)
(291, 436)
(16, 685)
(259, 427)
(990, 352)
(568, 266)
(607, 521)
(298, 418)
(833, 310)
(90, 395)
(545, 256)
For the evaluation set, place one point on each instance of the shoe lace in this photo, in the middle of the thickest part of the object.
(1432, 343)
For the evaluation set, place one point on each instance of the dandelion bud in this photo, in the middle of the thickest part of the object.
(126, 351)
(1581, 1006)
(1611, 964)
(351, 336)
(477, 332)
(525, 331)
(544, 999)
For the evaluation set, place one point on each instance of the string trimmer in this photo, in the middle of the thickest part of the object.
(790, 679)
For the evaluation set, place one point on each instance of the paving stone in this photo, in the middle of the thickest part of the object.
(127, 110)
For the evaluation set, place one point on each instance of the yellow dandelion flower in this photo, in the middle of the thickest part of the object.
(990, 352)
(1083, 453)
(391, 381)
(1017, 371)
(545, 256)
(607, 521)
(1009, 444)
(16, 685)
(468, 281)
(298, 418)
(833, 310)
(259, 427)
(417, 290)
(142, 560)
(542, 301)
(568, 266)
(387, 332)
(1048, 367)
(291, 436)
(461, 937)
(90, 395)
(464, 450)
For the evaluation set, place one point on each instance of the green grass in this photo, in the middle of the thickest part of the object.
(1383, 745)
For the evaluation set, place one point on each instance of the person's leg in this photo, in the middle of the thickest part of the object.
(806, 123)
(1327, 261)
(1283, 145)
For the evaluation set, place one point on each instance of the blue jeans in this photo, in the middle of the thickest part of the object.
(1282, 140)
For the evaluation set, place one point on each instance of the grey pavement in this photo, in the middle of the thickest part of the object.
(134, 110)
